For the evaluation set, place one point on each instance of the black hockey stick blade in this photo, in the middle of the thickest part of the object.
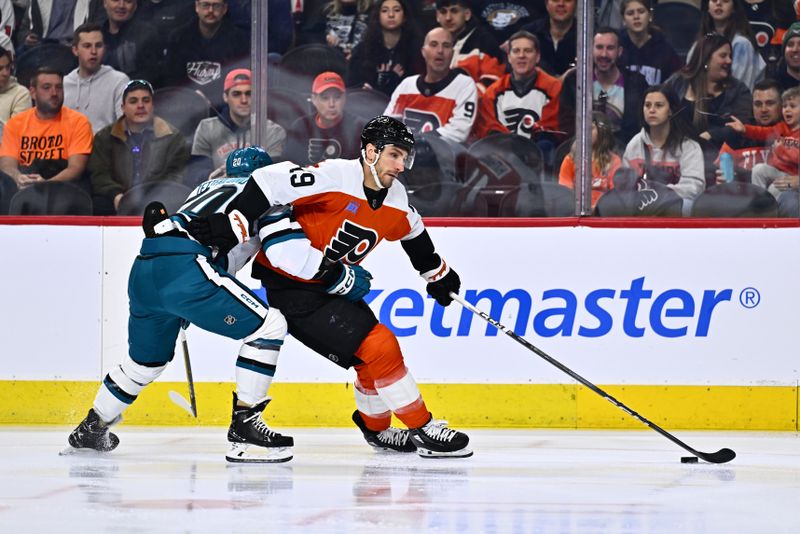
(720, 457)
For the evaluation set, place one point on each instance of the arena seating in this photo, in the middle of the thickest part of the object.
(448, 200)
(735, 199)
(545, 199)
(51, 198)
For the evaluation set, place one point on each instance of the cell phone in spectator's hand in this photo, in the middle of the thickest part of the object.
(47, 167)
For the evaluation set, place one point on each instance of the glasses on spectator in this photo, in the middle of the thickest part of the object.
(139, 84)
(216, 6)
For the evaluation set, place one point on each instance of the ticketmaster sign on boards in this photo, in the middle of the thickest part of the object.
(619, 306)
(671, 313)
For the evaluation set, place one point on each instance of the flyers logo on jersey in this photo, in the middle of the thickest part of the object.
(420, 121)
(521, 121)
(351, 243)
(320, 149)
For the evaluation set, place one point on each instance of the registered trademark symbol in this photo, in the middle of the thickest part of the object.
(749, 297)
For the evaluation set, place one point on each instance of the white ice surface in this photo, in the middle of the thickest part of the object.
(538, 481)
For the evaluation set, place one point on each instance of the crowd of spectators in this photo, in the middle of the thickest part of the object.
(457, 72)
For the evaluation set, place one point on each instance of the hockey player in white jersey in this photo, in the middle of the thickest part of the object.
(325, 219)
(174, 279)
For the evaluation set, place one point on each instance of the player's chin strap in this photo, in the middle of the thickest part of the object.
(372, 165)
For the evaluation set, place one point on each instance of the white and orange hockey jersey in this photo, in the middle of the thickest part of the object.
(481, 64)
(448, 107)
(330, 217)
(504, 109)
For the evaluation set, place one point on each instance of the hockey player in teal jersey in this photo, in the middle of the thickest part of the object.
(175, 279)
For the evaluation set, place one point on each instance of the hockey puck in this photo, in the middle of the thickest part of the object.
(688, 459)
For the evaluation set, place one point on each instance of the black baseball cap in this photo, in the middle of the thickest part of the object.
(137, 84)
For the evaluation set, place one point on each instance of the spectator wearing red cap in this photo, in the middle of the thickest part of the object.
(216, 137)
(329, 132)
(199, 53)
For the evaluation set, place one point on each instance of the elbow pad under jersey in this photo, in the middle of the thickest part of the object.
(241, 254)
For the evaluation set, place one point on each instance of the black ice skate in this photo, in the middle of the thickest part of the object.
(93, 433)
(436, 440)
(251, 439)
(391, 439)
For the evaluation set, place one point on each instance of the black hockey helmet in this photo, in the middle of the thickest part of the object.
(383, 130)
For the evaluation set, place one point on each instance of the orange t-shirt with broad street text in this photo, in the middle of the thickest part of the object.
(27, 138)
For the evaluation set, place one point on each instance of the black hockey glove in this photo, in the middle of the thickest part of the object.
(441, 282)
(349, 281)
(220, 230)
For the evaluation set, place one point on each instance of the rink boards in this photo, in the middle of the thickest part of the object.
(692, 327)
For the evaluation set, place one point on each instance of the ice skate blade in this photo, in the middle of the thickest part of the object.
(380, 449)
(85, 452)
(247, 453)
(427, 453)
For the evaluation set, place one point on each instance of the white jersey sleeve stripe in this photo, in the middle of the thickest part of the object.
(415, 222)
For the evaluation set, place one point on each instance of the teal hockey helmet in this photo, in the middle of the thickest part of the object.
(243, 161)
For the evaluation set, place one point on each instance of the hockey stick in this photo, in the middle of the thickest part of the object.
(176, 397)
(720, 457)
